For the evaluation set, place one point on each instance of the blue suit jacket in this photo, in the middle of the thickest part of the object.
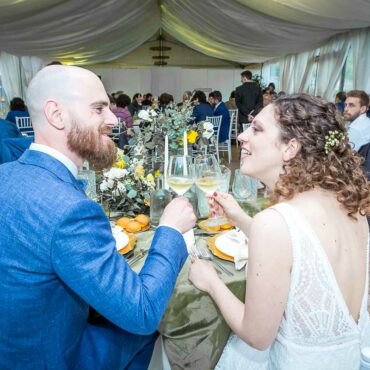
(8, 129)
(57, 257)
(201, 111)
(16, 113)
(222, 110)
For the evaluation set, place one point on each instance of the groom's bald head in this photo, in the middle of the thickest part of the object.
(63, 84)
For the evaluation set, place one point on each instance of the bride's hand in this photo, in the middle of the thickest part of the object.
(225, 204)
(202, 275)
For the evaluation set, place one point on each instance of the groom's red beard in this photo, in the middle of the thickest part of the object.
(88, 143)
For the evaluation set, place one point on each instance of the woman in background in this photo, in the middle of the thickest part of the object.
(17, 109)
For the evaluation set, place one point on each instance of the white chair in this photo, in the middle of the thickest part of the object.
(234, 125)
(216, 122)
(225, 146)
(117, 130)
(25, 125)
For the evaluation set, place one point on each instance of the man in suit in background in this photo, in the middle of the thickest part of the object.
(220, 109)
(248, 97)
(58, 255)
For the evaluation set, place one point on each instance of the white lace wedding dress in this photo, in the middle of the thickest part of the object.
(317, 331)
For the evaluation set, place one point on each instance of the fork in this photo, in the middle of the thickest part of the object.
(197, 255)
(204, 254)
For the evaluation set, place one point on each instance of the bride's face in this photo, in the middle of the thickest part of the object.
(262, 149)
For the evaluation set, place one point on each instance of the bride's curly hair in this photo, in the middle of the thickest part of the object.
(310, 119)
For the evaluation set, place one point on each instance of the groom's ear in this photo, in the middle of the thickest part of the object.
(291, 149)
(54, 114)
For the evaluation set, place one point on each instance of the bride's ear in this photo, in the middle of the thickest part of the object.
(291, 149)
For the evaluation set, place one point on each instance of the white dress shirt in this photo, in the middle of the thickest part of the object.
(359, 131)
(57, 155)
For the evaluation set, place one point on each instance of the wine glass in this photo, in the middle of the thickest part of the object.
(208, 177)
(180, 174)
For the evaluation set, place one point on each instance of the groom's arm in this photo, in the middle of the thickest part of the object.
(85, 258)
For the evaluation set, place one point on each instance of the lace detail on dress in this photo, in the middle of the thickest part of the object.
(317, 330)
(316, 313)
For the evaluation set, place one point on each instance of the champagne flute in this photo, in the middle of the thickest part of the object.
(208, 178)
(180, 174)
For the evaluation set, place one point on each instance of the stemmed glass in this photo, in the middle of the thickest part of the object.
(180, 174)
(208, 177)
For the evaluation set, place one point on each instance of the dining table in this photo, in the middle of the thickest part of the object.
(193, 331)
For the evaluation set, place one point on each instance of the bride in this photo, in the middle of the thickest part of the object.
(307, 278)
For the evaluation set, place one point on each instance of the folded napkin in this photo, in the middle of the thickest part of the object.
(189, 240)
(234, 243)
(121, 237)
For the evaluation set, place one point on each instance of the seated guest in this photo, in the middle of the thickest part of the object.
(8, 129)
(230, 104)
(186, 96)
(112, 102)
(201, 107)
(165, 101)
(17, 109)
(122, 112)
(148, 101)
(307, 279)
(340, 98)
(355, 108)
(136, 104)
(266, 98)
(58, 254)
(220, 109)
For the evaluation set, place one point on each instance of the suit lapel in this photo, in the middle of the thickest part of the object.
(49, 163)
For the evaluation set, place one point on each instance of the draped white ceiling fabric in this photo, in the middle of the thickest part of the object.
(85, 32)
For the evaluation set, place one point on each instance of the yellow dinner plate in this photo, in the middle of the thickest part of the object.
(214, 229)
(130, 245)
(211, 242)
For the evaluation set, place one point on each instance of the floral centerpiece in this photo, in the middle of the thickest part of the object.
(126, 187)
(173, 123)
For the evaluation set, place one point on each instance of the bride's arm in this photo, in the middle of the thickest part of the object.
(268, 279)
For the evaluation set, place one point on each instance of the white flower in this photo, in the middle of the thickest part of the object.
(121, 187)
(116, 173)
(110, 183)
(144, 114)
(104, 186)
(208, 130)
(153, 113)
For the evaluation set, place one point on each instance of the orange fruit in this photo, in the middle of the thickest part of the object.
(143, 220)
(133, 226)
(123, 221)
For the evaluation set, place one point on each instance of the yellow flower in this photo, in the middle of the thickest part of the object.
(157, 173)
(120, 164)
(139, 171)
(192, 136)
(150, 177)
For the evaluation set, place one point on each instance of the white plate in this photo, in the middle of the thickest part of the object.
(122, 240)
(231, 243)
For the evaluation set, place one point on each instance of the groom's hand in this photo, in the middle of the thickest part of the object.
(179, 214)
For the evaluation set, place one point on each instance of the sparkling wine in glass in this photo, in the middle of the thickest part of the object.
(208, 178)
(180, 174)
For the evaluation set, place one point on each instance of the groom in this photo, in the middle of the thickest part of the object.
(58, 255)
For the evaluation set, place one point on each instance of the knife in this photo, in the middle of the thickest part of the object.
(137, 257)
